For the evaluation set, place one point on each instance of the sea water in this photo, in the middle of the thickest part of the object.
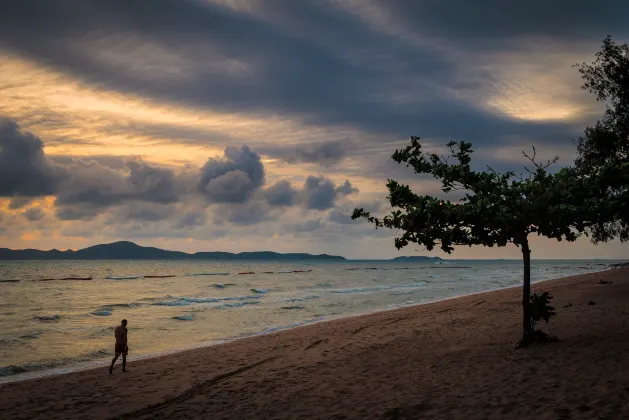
(54, 326)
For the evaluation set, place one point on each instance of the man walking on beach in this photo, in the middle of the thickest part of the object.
(121, 346)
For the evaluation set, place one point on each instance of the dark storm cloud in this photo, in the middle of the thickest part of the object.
(233, 178)
(24, 168)
(493, 22)
(348, 74)
(111, 161)
(244, 214)
(33, 214)
(92, 184)
(191, 219)
(144, 192)
(324, 153)
(19, 202)
(280, 194)
(317, 193)
(320, 193)
(154, 184)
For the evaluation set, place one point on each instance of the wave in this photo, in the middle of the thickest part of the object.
(12, 370)
(377, 288)
(293, 307)
(9, 281)
(260, 291)
(185, 301)
(122, 277)
(102, 312)
(236, 304)
(123, 305)
(301, 299)
(186, 317)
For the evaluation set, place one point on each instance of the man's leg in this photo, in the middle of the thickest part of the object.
(111, 368)
(124, 362)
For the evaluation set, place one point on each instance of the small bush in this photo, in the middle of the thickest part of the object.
(541, 309)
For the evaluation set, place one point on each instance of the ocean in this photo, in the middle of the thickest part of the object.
(57, 326)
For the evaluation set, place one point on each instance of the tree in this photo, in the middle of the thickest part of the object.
(497, 209)
(603, 150)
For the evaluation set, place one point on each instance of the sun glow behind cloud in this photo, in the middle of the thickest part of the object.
(76, 119)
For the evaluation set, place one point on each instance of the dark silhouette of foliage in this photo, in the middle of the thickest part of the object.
(541, 309)
(603, 150)
(502, 208)
(498, 208)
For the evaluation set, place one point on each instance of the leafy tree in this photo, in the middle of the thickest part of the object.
(497, 209)
(603, 150)
(502, 208)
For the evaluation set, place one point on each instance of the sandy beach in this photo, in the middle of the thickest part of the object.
(447, 360)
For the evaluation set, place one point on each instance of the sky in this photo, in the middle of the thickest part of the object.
(243, 125)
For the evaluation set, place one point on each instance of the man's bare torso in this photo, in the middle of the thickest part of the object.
(121, 335)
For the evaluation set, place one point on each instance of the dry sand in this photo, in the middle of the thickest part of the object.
(448, 360)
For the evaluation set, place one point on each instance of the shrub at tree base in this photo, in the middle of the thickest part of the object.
(541, 311)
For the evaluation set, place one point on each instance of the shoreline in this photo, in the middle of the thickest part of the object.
(104, 362)
(445, 360)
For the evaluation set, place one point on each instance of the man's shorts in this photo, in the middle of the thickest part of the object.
(121, 348)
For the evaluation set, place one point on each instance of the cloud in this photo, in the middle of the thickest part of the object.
(191, 219)
(281, 193)
(154, 184)
(33, 214)
(320, 193)
(232, 179)
(323, 153)
(244, 214)
(181, 80)
(489, 22)
(370, 76)
(19, 202)
(24, 168)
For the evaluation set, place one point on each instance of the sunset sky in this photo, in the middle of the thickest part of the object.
(241, 125)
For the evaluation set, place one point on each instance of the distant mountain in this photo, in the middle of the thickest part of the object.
(416, 258)
(130, 251)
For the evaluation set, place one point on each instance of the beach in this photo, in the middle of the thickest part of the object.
(445, 360)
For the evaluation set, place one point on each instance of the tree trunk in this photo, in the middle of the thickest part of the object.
(527, 328)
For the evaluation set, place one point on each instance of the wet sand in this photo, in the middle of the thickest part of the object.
(448, 360)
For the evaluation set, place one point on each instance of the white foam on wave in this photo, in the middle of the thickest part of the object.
(300, 299)
(102, 312)
(185, 301)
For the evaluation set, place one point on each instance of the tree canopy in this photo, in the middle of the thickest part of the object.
(590, 197)
(497, 208)
(603, 150)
